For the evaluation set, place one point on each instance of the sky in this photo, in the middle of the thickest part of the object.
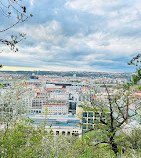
(75, 35)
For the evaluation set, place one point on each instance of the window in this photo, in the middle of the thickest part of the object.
(84, 120)
(96, 120)
(90, 114)
(90, 126)
(63, 132)
(84, 114)
(96, 114)
(90, 120)
(68, 133)
(102, 114)
(57, 132)
(84, 127)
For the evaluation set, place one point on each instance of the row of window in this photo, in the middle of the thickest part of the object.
(55, 113)
(56, 107)
(90, 126)
(91, 114)
(57, 110)
(90, 120)
(35, 111)
(50, 112)
(7, 109)
(67, 133)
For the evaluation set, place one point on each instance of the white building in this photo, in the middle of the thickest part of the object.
(55, 108)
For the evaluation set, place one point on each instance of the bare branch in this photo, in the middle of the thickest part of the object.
(3, 5)
(89, 130)
(121, 123)
(120, 110)
(111, 109)
(127, 107)
(103, 121)
(21, 16)
(101, 143)
(10, 26)
(2, 11)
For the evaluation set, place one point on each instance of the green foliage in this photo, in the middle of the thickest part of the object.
(139, 88)
(20, 141)
(23, 140)
(131, 140)
(137, 77)
(135, 61)
(126, 86)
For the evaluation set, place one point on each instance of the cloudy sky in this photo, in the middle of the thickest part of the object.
(76, 35)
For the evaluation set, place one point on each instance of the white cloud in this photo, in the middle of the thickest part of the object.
(93, 6)
(31, 2)
(49, 32)
(14, 55)
(78, 51)
(91, 31)
(124, 11)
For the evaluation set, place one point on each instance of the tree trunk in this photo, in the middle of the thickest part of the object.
(115, 148)
(114, 145)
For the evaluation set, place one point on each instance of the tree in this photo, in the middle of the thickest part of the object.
(136, 61)
(136, 78)
(113, 120)
(13, 9)
(21, 140)
(11, 105)
(132, 139)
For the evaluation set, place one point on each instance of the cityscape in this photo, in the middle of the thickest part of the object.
(70, 79)
(57, 101)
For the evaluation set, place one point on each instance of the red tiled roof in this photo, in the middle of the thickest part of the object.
(94, 96)
(138, 92)
(57, 88)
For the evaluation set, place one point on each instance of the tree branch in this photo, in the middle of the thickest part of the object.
(10, 26)
(101, 143)
(103, 121)
(111, 109)
(121, 123)
(120, 110)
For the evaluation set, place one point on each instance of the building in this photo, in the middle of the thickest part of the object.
(59, 124)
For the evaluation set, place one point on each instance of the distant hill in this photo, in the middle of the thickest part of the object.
(71, 73)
